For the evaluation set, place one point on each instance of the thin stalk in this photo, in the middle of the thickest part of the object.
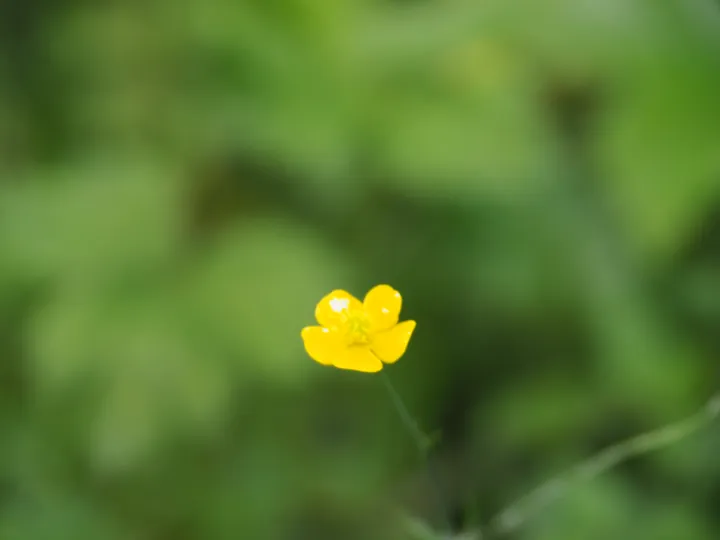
(540, 498)
(422, 442)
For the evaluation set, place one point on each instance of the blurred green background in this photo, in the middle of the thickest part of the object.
(181, 182)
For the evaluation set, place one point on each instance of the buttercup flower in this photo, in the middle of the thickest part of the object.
(358, 335)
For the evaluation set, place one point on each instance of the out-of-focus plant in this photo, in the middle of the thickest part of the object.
(180, 182)
(360, 336)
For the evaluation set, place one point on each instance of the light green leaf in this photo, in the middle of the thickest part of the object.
(91, 221)
(258, 289)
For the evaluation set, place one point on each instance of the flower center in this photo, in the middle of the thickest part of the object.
(356, 328)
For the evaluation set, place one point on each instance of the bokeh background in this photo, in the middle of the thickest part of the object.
(181, 182)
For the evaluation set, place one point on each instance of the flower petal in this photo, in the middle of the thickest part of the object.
(392, 344)
(332, 310)
(358, 358)
(323, 345)
(382, 304)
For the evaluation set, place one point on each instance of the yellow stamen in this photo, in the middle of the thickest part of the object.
(356, 328)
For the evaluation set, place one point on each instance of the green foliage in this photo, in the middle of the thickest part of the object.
(180, 183)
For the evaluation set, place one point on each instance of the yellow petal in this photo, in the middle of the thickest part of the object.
(333, 310)
(323, 345)
(391, 344)
(382, 304)
(358, 358)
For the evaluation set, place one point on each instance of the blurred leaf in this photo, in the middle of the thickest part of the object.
(534, 412)
(152, 381)
(661, 140)
(56, 516)
(603, 509)
(90, 222)
(610, 509)
(467, 127)
(258, 288)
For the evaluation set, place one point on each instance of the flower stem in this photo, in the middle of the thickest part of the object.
(539, 499)
(422, 442)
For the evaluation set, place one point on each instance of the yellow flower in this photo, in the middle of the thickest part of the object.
(358, 335)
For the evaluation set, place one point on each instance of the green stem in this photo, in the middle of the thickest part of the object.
(540, 498)
(422, 442)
